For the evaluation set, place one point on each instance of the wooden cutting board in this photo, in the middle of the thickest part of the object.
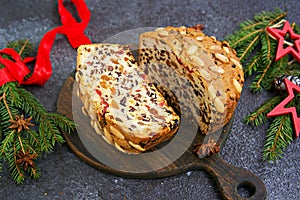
(92, 149)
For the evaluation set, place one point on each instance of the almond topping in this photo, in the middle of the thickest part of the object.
(212, 92)
(237, 63)
(222, 58)
(163, 33)
(136, 146)
(116, 133)
(197, 60)
(199, 38)
(226, 49)
(219, 105)
(107, 136)
(97, 128)
(237, 85)
(205, 74)
(213, 38)
(84, 111)
(192, 50)
(216, 48)
(217, 69)
(120, 148)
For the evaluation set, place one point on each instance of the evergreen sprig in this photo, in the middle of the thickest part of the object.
(259, 116)
(37, 140)
(278, 137)
(256, 50)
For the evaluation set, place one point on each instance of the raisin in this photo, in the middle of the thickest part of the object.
(123, 101)
(119, 119)
(131, 109)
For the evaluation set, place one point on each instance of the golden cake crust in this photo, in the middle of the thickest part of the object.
(196, 55)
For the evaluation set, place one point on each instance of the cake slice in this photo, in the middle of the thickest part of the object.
(124, 107)
(210, 66)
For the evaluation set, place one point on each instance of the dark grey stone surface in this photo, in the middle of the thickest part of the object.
(64, 176)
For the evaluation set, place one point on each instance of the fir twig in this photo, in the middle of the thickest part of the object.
(3, 98)
(278, 137)
(16, 101)
(256, 50)
(258, 117)
(257, 84)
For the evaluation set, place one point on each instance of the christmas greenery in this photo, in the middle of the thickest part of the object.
(27, 130)
(256, 50)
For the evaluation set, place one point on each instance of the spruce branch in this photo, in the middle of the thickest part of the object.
(247, 49)
(27, 130)
(279, 135)
(258, 117)
(256, 50)
(280, 68)
(254, 46)
(253, 64)
(258, 83)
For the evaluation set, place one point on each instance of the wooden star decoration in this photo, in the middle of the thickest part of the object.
(280, 36)
(280, 109)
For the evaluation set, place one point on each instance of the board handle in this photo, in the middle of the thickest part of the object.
(231, 180)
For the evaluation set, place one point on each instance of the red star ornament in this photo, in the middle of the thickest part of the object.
(281, 110)
(279, 35)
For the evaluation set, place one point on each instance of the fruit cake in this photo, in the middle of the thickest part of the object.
(124, 106)
(210, 66)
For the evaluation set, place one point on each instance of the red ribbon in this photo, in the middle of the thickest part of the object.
(16, 70)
